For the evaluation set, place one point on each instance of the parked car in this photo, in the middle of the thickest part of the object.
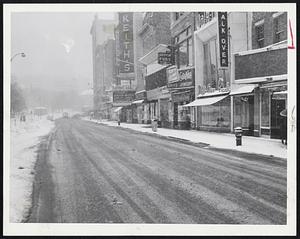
(65, 115)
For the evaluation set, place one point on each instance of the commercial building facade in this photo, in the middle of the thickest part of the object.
(263, 70)
(218, 34)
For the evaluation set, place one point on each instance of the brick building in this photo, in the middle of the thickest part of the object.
(153, 95)
(262, 71)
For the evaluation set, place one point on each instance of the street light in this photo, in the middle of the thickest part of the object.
(20, 53)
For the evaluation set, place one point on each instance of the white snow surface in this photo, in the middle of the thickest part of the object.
(250, 144)
(25, 138)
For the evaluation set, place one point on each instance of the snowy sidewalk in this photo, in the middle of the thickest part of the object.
(250, 144)
(25, 138)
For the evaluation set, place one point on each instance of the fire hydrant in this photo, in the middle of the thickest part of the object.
(238, 131)
(154, 125)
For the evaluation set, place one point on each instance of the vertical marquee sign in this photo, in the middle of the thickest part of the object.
(223, 39)
(126, 42)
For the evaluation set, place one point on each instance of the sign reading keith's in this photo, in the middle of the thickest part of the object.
(126, 42)
(223, 39)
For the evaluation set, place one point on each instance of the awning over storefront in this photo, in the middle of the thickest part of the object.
(206, 101)
(137, 102)
(118, 109)
(246, 89)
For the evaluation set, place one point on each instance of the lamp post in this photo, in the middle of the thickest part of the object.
(20, 53)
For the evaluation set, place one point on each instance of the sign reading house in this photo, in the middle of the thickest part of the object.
(223, 39)
(126, 42)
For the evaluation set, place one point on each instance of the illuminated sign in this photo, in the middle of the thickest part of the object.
(126, 42)
(223, 39)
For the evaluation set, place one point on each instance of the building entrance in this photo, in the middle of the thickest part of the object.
(277, 105)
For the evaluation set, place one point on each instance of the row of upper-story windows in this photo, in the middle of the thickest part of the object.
(278, 31)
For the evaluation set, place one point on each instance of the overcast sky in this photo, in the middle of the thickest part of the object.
(58, 48)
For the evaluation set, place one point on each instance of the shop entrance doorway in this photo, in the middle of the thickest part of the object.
(277, 105)
(175, 115)
(244, 113)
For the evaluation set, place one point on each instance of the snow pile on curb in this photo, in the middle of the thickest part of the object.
(257, 145)
(25, 137)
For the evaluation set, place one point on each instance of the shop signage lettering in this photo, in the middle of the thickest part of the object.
(164, 58)
(172, 74)
(126, 42)
(186, 74)
(223, 39)
(123, 96)
(186, 79)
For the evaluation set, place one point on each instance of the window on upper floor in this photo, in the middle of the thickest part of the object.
(260, 38)
(279, 28)
(184, 52)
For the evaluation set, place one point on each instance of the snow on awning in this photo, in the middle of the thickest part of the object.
(155, 67)
(137, 102)
(118, 109)
(206, 101)
(280, 92)
(243, 90)
(152, 55)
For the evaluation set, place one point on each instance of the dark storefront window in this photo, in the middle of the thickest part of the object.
(260, 35)
(279, 29)
(265, 109)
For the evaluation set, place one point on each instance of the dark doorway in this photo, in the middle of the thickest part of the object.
(175, 115)
(277, 105)
(251, 115)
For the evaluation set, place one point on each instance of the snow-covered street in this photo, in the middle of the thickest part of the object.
(25, 138)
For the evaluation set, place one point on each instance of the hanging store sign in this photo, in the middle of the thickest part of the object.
(172, 74)
(223, 39)
(164, 58)
(126, 42)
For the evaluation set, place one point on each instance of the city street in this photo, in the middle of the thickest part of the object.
(92, 173)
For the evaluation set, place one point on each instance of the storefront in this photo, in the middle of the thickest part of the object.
(158, 106)
(123, 98)
(243, 108)
(211, 112)
(181, 84)
(140, 103)
(158, 96)
(266, 70)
